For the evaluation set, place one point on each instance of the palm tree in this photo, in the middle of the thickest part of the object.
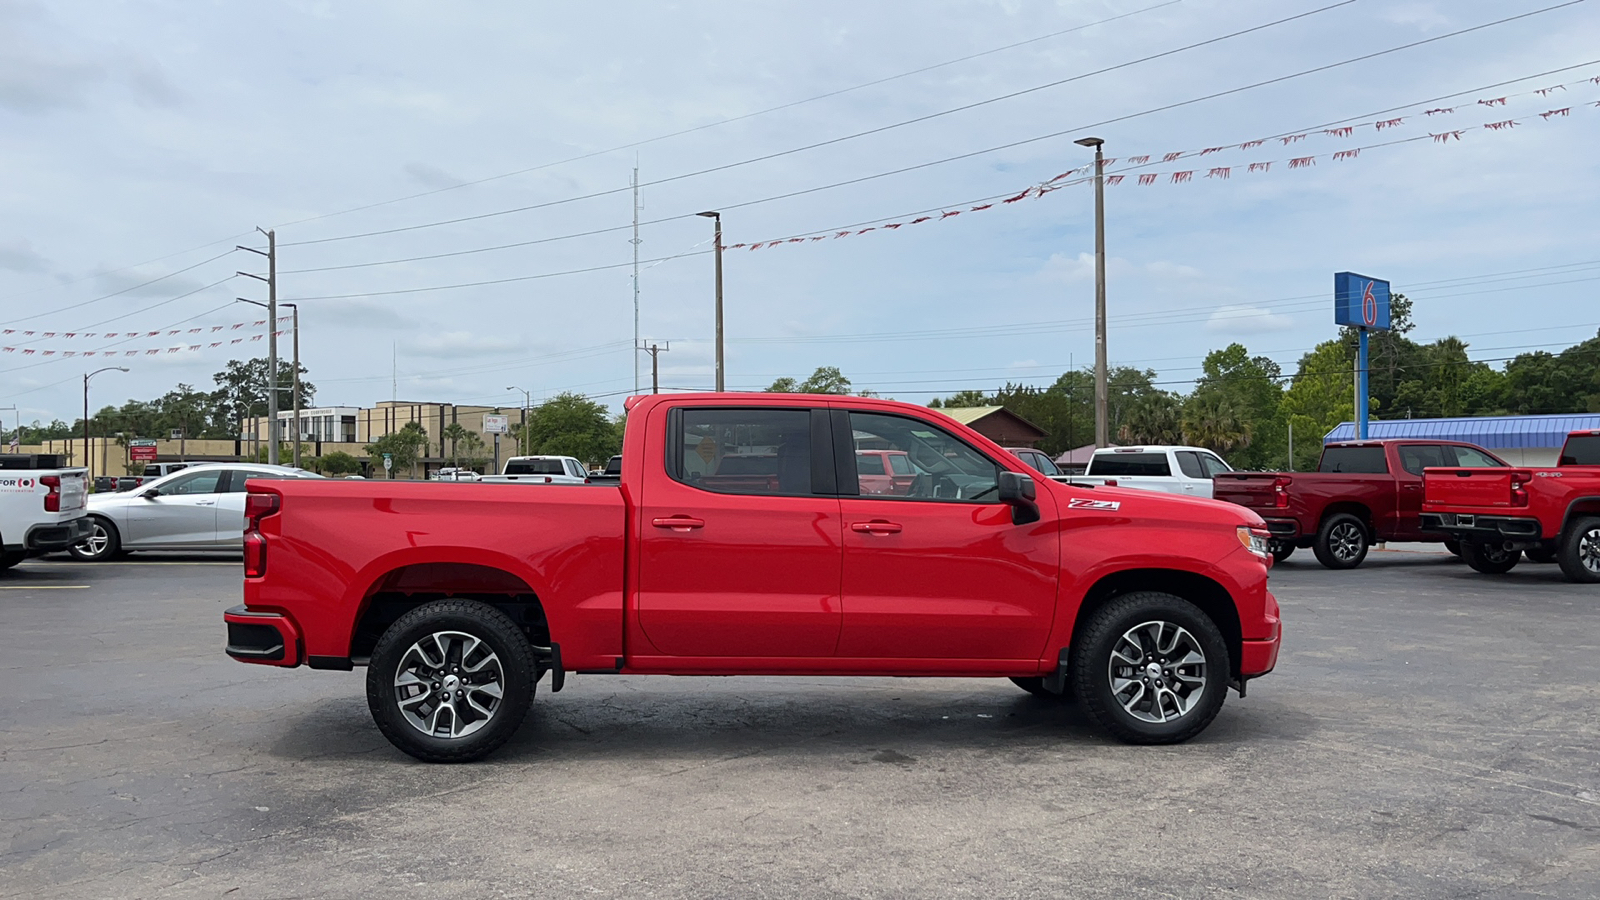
(455, 432)
(1211, 421)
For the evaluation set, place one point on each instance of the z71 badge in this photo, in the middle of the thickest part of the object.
(1084, 503)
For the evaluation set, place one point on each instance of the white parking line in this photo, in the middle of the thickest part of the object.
(42, 587)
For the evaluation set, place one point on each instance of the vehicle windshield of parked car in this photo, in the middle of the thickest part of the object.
(536, 467)
(1125, 464)
(1354, 461)
(947, 468)
(1582, 451)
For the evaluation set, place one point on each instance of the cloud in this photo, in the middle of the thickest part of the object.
(431, 176)
(1422, 16)
(1164, 269)
(1247, 320)
(19, 256)
(464, 344)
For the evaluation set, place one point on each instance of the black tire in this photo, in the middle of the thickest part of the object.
(7, 560)
(1342, 542)
(1540, 554)
(512, 672)
(1035, 686)
(1454, 547)
(1579, 554)
(1117, 622)
(110, 549)
(1281, 551)
(1490, 559)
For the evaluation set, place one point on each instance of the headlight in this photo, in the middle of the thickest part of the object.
(1256, 539)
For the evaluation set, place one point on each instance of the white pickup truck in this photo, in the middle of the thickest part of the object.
(1170, 470)
(540, 470)
(41, 507)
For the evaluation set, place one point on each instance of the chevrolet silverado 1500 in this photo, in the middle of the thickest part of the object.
(459, 599)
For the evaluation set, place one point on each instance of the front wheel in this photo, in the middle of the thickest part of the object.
(450, 681)
(1151, 668)
(1490, 559)
(1341, 542)
(103, 542)
(1579, 555)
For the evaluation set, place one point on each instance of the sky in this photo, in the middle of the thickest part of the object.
(141, 141)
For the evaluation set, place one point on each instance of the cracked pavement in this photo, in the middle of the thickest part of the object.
(1430, 733)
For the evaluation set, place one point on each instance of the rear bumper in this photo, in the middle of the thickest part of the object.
(262, 638)
(58, 536)
(1476, 529)
(1281, 529)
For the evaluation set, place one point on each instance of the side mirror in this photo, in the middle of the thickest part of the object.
(150, 493)
(1019, 491)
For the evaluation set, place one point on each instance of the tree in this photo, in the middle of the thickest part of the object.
(1320, 398)
(962, 399)
(572, 425)
(825, 380)
(1235, 408)
(468, 451)
(338, 463)
(403, 446)
(453, 433)
(242, 392)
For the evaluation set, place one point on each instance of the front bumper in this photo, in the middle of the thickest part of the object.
(263, 638)
(1475, 529)
(59, 536)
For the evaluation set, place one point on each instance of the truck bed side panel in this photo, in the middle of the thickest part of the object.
(564, 542)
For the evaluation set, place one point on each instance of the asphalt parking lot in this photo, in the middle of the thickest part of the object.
(1430, 732)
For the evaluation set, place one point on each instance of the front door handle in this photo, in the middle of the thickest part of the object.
(678, 523)
(878, 527)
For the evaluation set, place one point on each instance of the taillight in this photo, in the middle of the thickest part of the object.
(52, 500)
(256, 508)
(1519, 493)
(1110, 482)
(1280, 490)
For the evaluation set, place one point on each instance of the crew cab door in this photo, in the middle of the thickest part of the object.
(739, 545)
(1408, 484)
(940, 572)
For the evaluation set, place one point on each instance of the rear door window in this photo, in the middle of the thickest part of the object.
(1189, 462)
(1416, 457)
(1354, 461)
(743, 451)
(1114, 464)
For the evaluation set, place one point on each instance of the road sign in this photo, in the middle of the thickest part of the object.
(496, 424)
(142, 442)
(388, 462)
(1360, 302)
(143, 453)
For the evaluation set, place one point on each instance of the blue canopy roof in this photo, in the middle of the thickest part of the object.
(1493, 432)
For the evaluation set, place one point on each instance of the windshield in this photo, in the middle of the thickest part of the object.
(535, 467)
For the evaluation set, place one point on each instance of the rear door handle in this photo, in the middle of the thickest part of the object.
(678, 523)
(875, 527)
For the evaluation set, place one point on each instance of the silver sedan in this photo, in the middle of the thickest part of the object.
(198, 508)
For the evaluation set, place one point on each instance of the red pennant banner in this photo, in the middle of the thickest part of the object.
(1302, 161)
(1223, 172)
(1390, 123)
(1346, 154)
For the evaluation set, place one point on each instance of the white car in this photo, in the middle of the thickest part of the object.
(41, 509)
(540, 470)
(198, 508)
(1171, 470)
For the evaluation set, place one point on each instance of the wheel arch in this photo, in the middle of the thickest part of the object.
(1577, 509)
(1359, 510)
(1209, 595)
(406, 587)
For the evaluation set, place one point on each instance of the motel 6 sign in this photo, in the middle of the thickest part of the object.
(1360, 302)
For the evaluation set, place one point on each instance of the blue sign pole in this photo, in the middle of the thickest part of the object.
(1362, 392)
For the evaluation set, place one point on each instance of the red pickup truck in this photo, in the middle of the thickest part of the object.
(1362, 492)
(459, 598)
(1499, 514)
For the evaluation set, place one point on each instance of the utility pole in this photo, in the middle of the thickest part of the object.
(635, 243)
(655, 351)
(19, 424)
(272, 338)
(717, 217)
(1101, 392)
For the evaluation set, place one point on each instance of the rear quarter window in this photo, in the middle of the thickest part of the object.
(1354, 461)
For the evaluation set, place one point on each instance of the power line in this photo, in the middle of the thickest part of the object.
(739, 118)
(880, 129)
(124, 290)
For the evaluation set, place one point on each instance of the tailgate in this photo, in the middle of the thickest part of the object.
(1256, 490)
(74, 490)
(1470, 488)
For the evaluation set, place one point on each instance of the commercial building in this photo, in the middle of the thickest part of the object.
(1519, 440)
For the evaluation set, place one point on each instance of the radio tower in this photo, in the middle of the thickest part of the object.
(635, 243)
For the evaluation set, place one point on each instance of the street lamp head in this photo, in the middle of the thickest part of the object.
(1089, 142)
(710, 214)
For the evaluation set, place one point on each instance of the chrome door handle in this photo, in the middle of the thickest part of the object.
(875, 527)
(678, 523)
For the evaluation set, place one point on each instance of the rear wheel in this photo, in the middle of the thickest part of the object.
(450, 681)
(1341, 542)
(1035, 686)
(7, 560)
(1490, 559)
(1579, 555)
(1151, 668)
(1454, 547)
(103, 542)
(1281, 551)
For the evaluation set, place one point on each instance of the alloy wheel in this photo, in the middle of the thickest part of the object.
(449, 684)
(1345, 541)
(1158, 671)
(97, 541)
(1589, 550)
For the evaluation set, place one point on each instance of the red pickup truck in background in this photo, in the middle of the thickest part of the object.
(1363, 492)
(1499, 514)
(460, 598)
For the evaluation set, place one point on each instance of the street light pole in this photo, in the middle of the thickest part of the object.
(527, 401)
(1101, 391)
(88, 458)
(717, 217)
